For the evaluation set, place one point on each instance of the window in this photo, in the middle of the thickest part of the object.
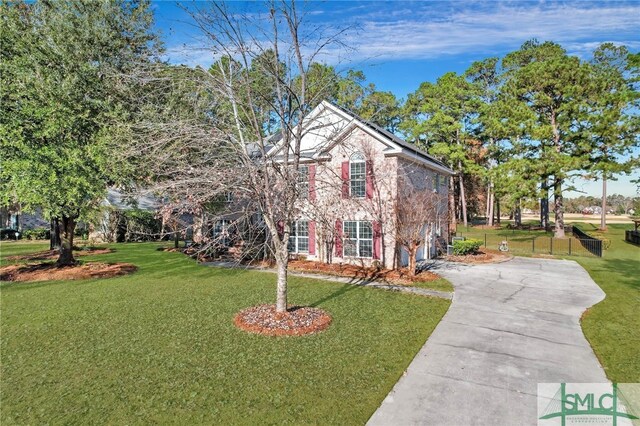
(303, 182)
(357, 176)
(358, 238)
(299, 237)
(222, 232)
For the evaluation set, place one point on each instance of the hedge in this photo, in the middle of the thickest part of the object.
(461, 248)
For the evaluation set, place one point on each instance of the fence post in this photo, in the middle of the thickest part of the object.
(551, 245)
(485, 239)
(570, 245)
(533, 245)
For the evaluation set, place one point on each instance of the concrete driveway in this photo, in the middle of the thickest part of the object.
(511, 326)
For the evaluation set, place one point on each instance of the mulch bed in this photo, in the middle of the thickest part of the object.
(51, 271)
(297, 321)
(400, 276)
(483, 256)
(53, 254)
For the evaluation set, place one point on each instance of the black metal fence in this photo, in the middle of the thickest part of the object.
(580, 244)
(632, 236)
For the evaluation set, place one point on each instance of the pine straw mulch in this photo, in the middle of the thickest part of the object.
(400, 276)
(297, 321)
(51, 271)
(483, 256)
(53, 254)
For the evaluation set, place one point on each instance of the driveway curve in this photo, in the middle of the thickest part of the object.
(511, 326)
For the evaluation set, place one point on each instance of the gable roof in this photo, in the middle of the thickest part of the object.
(388, 135)
(322, 138)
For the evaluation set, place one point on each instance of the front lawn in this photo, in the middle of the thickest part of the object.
(613, 325)
(14, 248)
(159, 346)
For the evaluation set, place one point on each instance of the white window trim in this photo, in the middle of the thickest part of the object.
(224, 234)
(303, 184)
(296, 238)
(357, 239)
(358, 158)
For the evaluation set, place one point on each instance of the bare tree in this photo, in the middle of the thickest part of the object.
(204, 133)
(418, 210)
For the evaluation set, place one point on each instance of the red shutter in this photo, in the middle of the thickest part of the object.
(338, 243)
(312, 182)
(369, 177)
(312, 237)
(280, 228)
(345, 179)
(377, 240)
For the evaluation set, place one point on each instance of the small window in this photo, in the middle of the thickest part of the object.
(222, 232)
(357, 176)
(358, 238)
(303, 182)
(299, 237)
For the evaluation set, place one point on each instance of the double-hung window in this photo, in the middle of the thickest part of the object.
(299, 237)
(222, 232)
(357, 176)
(358, 238)
(303, 182)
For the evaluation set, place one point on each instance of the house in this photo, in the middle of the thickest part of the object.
(355, 178)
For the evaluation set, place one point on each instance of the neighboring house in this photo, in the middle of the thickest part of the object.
(14, 218)
(110, 224)
(354, 178)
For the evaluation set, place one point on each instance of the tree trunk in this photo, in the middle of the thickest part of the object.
(452, 205)
(54, 234)
(498, 211)
(517, 214)
(489, 206)
(463, 200)
(544, 205)
(282, 262)
(603, 215)
(66, 246)
(198, 227)
(558, 208)
(176, 239)
(412, 260)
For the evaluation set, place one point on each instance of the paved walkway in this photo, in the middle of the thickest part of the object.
(345, 280)
(511, 326)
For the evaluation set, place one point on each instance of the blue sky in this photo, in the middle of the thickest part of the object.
(400, 44)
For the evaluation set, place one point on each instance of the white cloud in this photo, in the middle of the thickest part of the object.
(416, 35)
(191, 54)
(433, 30)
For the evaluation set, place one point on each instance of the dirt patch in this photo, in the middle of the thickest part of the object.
(297, 321)
(53, 254)
(51, 271)
(171, 249)
(400, 276)
(483, 256)
(543, 256)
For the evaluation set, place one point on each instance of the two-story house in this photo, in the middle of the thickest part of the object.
(354, 179)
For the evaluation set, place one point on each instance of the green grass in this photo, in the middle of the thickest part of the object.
(440, 284)
(13, 248)
(613, 326)
(159, 346)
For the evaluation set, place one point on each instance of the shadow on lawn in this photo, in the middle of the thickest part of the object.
(341, 291)
(628, 268)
